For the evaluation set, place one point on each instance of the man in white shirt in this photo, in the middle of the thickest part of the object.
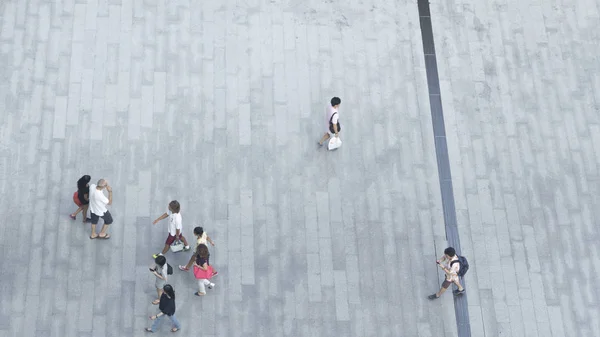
(449, 263)
(333, 124)
(175, 227)
(98, 203)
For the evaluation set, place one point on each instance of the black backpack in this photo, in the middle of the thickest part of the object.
(464, 265)
(170, 269)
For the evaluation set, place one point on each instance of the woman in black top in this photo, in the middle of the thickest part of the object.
(167, 307)
(202, 262)
(83, 192)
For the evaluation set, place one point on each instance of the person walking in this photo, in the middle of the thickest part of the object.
(166, 307)
(98, 203)
(160, 271)
(451, 266)
(175, 227)
(81, 197)
(201, 238)
(202, 270)
(333, 123)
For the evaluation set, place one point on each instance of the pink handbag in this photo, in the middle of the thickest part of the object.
(200, 273)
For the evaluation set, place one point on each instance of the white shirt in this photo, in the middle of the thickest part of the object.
(174, 223)
(98, 201)
(162, 271)
(202, 239)
(329, 112)
(453, 268)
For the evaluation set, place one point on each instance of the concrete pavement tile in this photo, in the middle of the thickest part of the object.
(503, 54)
(488, 314)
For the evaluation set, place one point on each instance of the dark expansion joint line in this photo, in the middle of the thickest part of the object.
(461, 309)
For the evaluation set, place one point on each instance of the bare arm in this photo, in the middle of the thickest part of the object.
(158, 275)
(160, 218)
(210, 240)
(109, 189)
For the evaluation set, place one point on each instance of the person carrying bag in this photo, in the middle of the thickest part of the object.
(203, 271)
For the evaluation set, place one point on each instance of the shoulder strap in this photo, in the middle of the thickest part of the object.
(331, 118)
(453, 262)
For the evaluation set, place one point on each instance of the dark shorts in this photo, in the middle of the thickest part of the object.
(106, 217)
(170, 240)
(446, 284)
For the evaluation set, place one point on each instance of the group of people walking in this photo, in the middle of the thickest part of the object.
(92, 197)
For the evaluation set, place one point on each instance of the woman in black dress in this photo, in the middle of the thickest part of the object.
(83, 196)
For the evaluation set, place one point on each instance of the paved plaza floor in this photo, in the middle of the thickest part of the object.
(521, 95)
(219, 104)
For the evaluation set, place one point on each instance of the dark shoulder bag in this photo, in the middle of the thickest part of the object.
(339, 127)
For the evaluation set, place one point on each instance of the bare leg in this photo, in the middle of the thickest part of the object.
(93, 235)
(460, 287)
(439, 293)
(443, 288)
(165, 250)
(191, 262)
(159, 292)
(77, 212)
(185, 243)
(102, 233)
(325, 137)
(85, 209)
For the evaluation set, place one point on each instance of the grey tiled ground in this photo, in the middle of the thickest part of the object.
(521, 96)
(220, 106)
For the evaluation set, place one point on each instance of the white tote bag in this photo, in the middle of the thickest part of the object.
(334, 143)
(177, 246)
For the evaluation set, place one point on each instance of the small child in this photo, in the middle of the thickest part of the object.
(160, 271)
(175, 227)
(201, 238)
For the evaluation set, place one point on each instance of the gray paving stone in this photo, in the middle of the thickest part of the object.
(545, 161)
(219, 106)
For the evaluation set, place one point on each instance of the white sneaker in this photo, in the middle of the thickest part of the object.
(210, 286)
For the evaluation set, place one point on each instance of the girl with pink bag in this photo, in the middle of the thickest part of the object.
(203, 271)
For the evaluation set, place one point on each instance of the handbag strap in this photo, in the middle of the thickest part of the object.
(331, 118)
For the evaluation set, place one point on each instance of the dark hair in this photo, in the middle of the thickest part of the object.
(336, 101)
(450, 251)
(169, 290)
(202, 250)
(198, 230)
(160, 260)
(83, 181)
(174, 205)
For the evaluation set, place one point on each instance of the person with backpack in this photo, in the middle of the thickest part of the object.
(451, 265)
(166, 307)
(161, 271)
